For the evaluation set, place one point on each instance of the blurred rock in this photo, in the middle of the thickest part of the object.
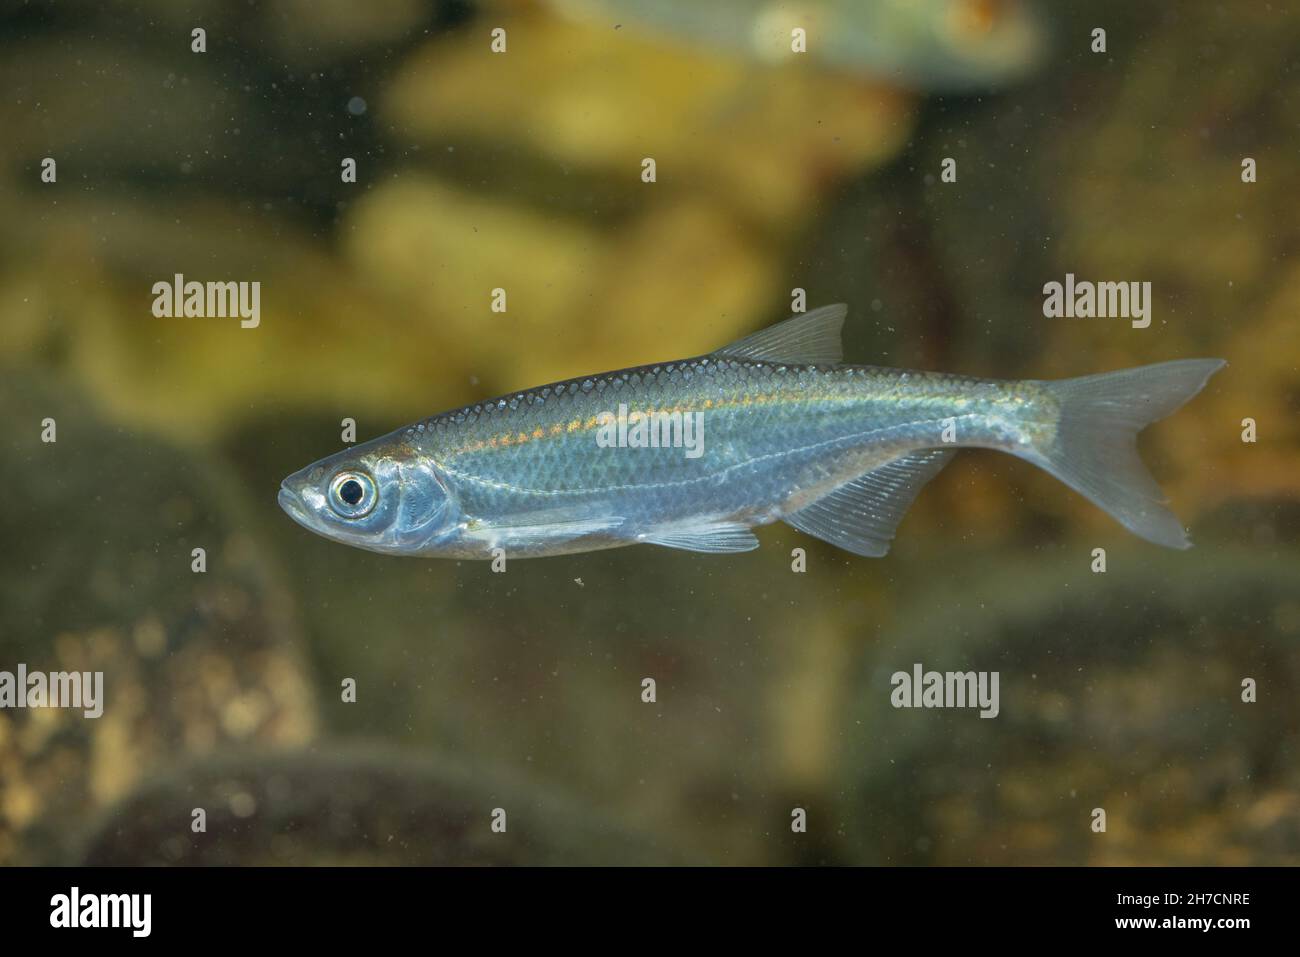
(97, 577)
(68, 104)
(578, 299)
(1119, 691)
(314, 32)
(78, 292)
(769, 141)
(355, 807)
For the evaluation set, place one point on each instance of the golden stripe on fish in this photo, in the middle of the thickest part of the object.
(513, 438)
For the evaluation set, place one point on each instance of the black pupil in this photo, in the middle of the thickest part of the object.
(351, 491)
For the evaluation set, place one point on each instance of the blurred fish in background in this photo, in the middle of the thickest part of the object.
(523, 171)
(930, 45)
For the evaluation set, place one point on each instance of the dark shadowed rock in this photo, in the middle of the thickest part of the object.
(1121, 691)
(357, 806)
(97, 575)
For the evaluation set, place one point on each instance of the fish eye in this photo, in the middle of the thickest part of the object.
(352, 494)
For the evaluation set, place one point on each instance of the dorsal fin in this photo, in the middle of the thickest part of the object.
(810, 339)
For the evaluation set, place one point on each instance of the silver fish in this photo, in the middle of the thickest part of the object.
(695, 453)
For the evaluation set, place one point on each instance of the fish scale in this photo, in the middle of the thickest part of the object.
(514, 458)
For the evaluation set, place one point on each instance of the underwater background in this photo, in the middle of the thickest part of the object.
(522, 170)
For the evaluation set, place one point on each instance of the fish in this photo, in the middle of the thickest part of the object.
(696, 453)
(933, 45)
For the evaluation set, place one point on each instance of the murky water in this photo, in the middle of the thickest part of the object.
(435, 213)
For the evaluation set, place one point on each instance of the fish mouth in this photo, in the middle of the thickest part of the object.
(293, 506)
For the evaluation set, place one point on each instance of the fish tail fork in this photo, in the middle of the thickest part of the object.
(1093, 448)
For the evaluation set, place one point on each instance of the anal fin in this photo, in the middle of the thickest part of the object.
(861, 515)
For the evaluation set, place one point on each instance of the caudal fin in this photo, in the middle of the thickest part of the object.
(1094, 450)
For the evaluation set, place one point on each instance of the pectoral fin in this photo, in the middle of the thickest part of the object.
(542, 527)
(861, 515)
